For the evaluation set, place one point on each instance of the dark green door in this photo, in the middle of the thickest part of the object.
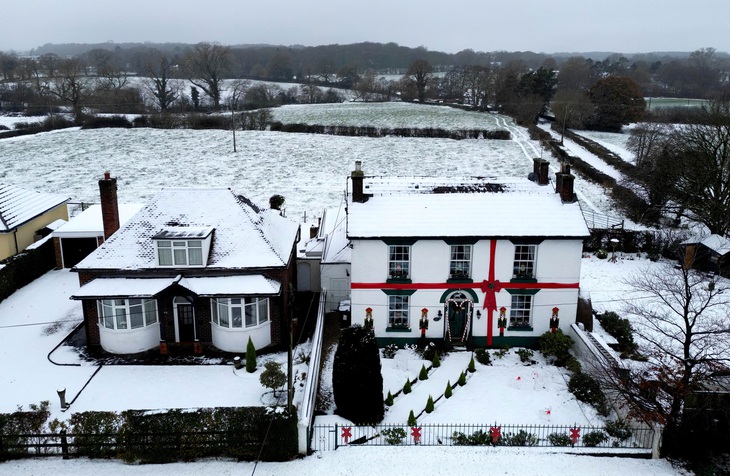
(185, 323)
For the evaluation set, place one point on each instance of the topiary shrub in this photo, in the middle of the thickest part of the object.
(389, 399)
(557, 345)
(587, 389)
(483, 356)
(436, 362)
(429, 404)
(407, 387)
(471, 368)
(423, 375)
(357, 382)
(449, 391)
(250, 357)
(462, 379)
(602, 254)
(272, 377)
(412, 419)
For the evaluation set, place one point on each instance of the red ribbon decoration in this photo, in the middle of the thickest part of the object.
(416, 434)
(346, 433)
(574, 435)
(495, 432)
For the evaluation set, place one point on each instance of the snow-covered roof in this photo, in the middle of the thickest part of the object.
(18, 205)
(337, 249)
(206, 286)
(462, 207)
(89, 223)
(246, 236)
(717, 243)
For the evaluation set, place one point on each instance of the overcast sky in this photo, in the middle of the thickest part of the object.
(627, 26)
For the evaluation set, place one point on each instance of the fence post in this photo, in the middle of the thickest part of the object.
(656, 441)
(64, 444)
(336, 436)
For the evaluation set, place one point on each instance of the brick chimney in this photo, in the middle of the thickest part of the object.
(564, 182)
(541, 168)
(109, 205)
(357, 176)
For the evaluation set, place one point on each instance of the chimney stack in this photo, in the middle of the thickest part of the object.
(541, 168)
(564, 182)
(357, 177)
(109, 205)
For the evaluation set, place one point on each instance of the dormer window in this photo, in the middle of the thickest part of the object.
(180, 253)
(182, 246)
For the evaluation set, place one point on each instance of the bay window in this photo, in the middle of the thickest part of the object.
(239, 313)
(123, 314)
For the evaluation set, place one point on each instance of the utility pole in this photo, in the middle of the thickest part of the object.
(289, 371)
(565, 120)
(233, 128)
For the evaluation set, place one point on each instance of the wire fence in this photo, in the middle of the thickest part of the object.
(330, 437)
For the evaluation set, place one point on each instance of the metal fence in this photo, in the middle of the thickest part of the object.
(330, 437)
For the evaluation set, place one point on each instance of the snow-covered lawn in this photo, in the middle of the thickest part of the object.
(371, 460)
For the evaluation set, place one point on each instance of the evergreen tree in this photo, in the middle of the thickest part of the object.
(423, 375)
(250, 357)
(471, 368)
(429, 404)
(389, 399)
(462, 379)
(357, 382)
(448, 392)
(272, 377)
(412, 419)
(436, 362)
(407, 387)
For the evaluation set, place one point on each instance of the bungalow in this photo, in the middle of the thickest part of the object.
(25, 216)
(466, 261)
(194, 267)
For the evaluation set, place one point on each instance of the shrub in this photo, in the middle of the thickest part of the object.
(407, 387)
(389, 399)
(594, 438)
(250, 357)
(98, 122)
(573, 365)
(559, 439)
(586, 389)
(429, 351)
(478, 438)
(525, 355)
(521, 438)
(390, 350)
(272, 377)
(462, 379)
(394, 436)
(556, 344)
(423, 375)
(471, 368)
(429, 404)
(620, 329)
(618, 429)
(357, 381)
(483, 356)
(449, 391)
(99, 430)
(436, 362)
(502, 352)
(602, 254)
(412, 419)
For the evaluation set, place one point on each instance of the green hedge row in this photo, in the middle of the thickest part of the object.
(245, 433)
(25, 268)
(370, 131)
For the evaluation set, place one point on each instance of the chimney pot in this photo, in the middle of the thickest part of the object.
(107, 176)
(357, 177)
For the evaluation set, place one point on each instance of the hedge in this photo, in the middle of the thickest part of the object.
(25, 268)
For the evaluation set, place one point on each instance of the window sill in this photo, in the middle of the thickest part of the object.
(398, 280)
(459, 280)
(523, 280)
(520, 328)
(397, 329)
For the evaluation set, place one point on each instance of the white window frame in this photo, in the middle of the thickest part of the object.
(240, 312)
(460, 261)
(398, 312)
(187, 253)
(119, 314)
(525, 262)
(520, 313)
(399, 261)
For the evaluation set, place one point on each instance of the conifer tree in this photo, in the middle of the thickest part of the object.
(250, 357)
(424, 373)
(429, 404)
(448, 392)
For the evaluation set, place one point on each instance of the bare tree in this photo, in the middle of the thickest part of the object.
(420, 72)
(238, 90)
(70, 85)
(683, 324)
(160, 82)
(205, 66)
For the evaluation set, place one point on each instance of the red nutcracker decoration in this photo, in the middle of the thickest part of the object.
(554, 321)
(423, 323)
(369, 318)
(502, 321)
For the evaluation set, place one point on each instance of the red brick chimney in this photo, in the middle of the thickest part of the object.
(564, 183)
(540, 168)
(109, 205)
(357, 176)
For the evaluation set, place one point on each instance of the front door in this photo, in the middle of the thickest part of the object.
(459, 310)
(185, 322)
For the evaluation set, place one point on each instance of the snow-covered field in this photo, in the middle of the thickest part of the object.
(309, 170)
(385, 115)
(613, 141)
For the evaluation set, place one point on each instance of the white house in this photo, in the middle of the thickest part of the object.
(489, 262)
